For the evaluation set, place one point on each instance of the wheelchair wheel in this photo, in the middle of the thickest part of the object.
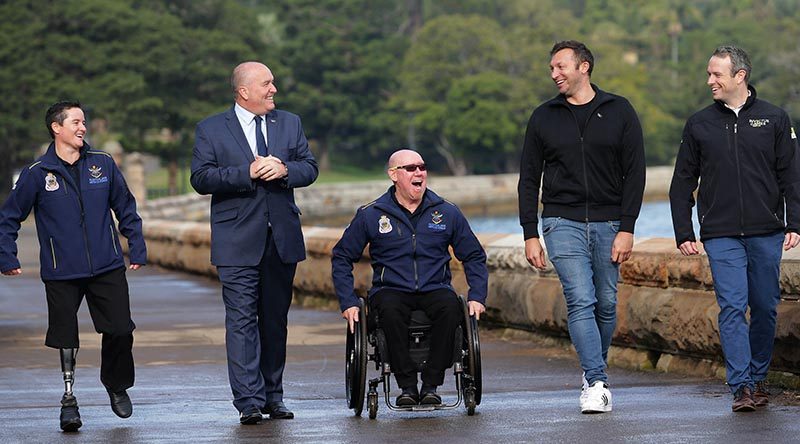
(473, 359)
(372, 405)
(469, 400)
(356, 363)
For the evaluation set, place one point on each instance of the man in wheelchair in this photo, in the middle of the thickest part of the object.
(410, 230)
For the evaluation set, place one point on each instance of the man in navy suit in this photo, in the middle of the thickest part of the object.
(250, 158)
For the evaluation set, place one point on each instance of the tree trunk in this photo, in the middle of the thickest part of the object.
(172, 176)
(324, 158)
(456, 165)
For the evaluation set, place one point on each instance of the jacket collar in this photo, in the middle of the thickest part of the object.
(51, 159)
(386, 203)
(599, 98)
(747, 104)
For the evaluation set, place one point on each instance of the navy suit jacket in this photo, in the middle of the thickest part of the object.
(240, 206)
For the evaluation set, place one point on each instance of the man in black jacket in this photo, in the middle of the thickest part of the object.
(744, 150)
(589, 146)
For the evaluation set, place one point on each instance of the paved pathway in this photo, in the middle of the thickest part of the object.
(182, 394)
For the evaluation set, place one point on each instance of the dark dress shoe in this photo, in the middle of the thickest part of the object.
(277, 410)
(70, 418)
(428, 395)
(121, 403)
(409, 397)
(250, 416)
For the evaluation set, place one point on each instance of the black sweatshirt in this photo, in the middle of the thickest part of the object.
(594, 175)
(748, 166)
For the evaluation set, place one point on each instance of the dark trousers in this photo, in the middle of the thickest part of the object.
(394, 316)
(257, 301)
(109, 305)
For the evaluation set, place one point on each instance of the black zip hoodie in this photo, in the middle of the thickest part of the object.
(596, 175)
(748, 165)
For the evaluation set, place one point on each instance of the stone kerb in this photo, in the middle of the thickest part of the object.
(665, 304)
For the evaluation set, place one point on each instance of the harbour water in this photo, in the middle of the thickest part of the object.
(654, 220)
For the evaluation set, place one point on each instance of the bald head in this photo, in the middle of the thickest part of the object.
(254, 87)
(404, 157)
(244, 72)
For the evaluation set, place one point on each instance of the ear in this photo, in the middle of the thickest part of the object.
(243, 92)
(584, 67)
(55, 127)
(740, 75)
(392, 175)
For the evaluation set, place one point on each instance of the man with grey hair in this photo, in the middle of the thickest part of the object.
(744, 152)
(250, 158)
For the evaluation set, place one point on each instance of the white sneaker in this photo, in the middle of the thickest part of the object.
(596, 398)
(584, 389)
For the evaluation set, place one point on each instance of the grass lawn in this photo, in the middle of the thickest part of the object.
(157, 180)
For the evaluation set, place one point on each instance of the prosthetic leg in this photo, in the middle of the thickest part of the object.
(70, 418)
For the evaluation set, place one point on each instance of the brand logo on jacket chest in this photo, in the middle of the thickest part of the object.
(96, 175)
(758, 123)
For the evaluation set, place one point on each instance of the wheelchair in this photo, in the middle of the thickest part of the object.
(368, 343)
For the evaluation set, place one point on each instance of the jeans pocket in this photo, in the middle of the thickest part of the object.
(614, 225)
(549, 223)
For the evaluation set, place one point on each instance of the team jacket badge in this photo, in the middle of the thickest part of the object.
(50, 182)
(384, 225)
(436, 221)
(96, 174)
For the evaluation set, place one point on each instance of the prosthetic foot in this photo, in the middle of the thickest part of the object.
(70, 418)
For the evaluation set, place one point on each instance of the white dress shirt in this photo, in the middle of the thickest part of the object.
(248, 123)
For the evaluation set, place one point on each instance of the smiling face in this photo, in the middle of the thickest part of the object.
(255, 88)
(569, 76)
(70, 133)
(409, 185)
(726, 86)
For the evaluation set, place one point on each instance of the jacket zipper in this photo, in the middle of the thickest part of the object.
(739, 174)
(583, 159)
(414, 250)
(114, 244)
(53, 253)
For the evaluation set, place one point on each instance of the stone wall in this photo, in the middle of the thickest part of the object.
(666, 310)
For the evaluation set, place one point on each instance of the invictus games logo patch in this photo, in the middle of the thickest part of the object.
(758, 123)
(96, 174)
(384, 224)
(50, 182)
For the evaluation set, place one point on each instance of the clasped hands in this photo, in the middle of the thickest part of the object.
(268, 168)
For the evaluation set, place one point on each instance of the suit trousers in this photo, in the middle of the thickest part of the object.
(257, 300)
(394, 309)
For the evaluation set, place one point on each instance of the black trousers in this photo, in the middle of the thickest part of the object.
(394, 316)
(109, 306)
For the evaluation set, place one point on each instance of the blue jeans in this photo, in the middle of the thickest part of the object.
(746, 271)
(581, 255)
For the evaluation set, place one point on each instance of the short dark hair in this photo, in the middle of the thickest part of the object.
(739, 59)
(58, 113)
(582, 53)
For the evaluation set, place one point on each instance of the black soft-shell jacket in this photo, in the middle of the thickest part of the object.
(748, 166)
(596, 175)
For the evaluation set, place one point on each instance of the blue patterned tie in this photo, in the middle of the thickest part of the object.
(261, 145)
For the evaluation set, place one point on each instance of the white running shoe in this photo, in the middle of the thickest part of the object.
(596, 398)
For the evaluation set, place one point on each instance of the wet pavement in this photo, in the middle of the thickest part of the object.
(530, 393)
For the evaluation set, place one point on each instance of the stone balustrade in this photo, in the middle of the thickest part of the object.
(667, 314)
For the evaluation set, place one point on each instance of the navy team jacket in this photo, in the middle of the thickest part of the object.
(405, 257)
(77, 236)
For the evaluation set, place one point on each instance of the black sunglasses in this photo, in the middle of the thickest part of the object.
(409, 168)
